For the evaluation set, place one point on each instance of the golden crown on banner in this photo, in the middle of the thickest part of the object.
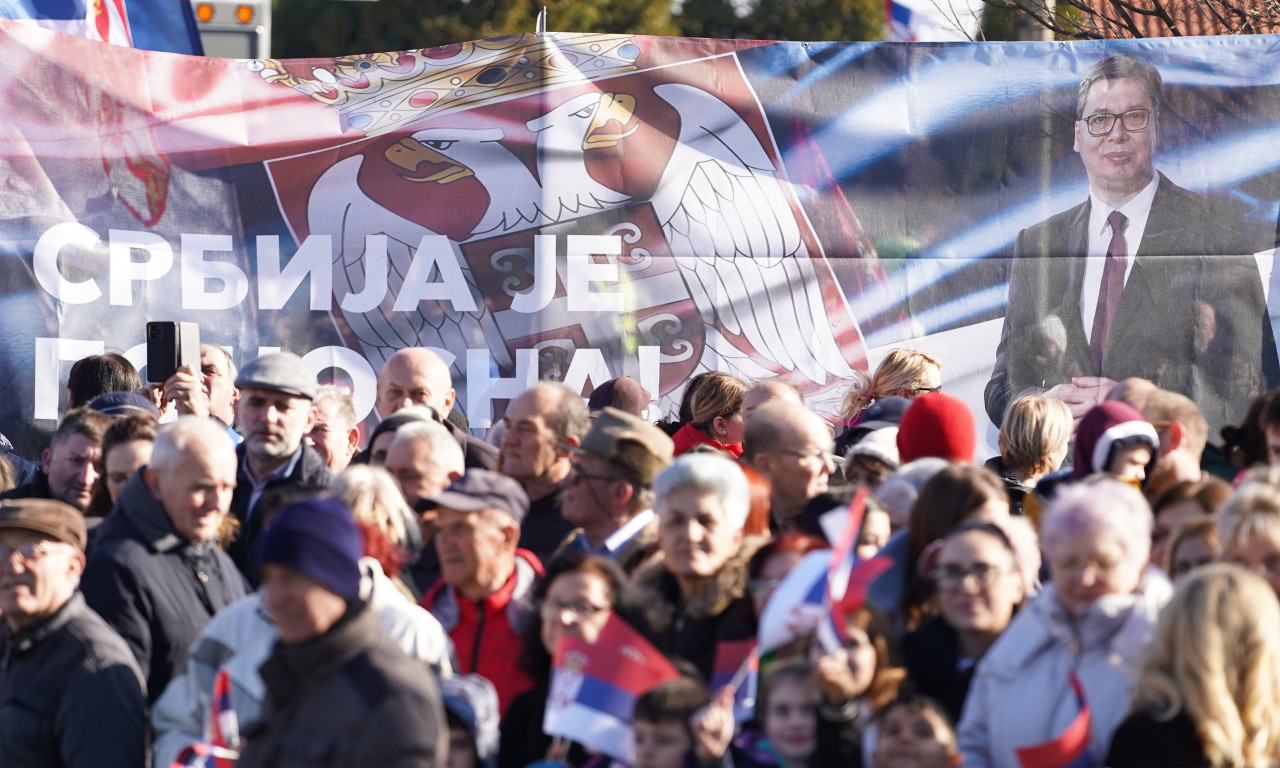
(379, 92)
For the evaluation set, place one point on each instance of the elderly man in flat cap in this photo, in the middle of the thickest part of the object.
(275, 412)
(610, 491)
(71, 693)
(483, 598)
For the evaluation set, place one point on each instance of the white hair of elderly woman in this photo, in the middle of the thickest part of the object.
(706, 473)
(1253, 511)
(374, 497)
(1100, 504)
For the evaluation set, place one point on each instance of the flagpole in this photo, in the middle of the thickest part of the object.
(739, 676)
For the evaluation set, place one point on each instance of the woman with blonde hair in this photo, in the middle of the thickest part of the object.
(1033, 442)
(1208, 693)
(716, 416)
(905, 373)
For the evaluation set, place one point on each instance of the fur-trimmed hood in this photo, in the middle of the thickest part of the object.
(660, 591)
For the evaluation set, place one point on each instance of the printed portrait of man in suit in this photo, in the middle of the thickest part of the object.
(1144, 278)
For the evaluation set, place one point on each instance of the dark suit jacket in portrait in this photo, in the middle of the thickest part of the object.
(1191, 318)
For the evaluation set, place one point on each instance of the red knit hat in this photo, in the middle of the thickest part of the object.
(937, 425)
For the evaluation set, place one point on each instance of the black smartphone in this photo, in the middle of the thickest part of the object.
(170, 345)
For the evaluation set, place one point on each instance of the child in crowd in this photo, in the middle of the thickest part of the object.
(471, 711)
(1193, 545)
(915, 733)
(875, 531)
(864, 675)
(787, 716)
(661, 722)
(1115, 438)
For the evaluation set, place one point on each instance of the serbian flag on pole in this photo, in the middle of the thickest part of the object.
(594, 687)
(202, 755)
(1071, 748)
(849, 578)
(737, 664)
(797, 605)
(224, 726)
(222, 732)
(820, 590)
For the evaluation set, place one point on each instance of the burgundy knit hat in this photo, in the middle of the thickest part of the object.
(1106, 427)
(938, 425)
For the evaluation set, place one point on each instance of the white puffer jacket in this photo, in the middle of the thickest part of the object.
(1021, 693)
(240, 637)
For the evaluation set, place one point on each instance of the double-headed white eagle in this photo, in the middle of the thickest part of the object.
(724, 211)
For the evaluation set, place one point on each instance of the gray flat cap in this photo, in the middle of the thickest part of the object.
(281, 372)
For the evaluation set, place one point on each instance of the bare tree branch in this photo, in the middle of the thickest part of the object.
(1095, 19)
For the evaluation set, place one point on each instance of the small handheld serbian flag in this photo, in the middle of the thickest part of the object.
(1071, 748)
(821, 590)
(594, 687)
(737, 664)
(201, 755)
(796, 606)
(222, 732)
(848, 577)
(224, 726)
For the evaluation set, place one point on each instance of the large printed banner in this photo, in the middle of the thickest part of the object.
(582, 206)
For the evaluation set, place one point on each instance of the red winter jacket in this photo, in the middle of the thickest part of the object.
(690, 437)
(486, 633)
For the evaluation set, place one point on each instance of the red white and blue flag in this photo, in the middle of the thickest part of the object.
(797, 605)
(221, 743)
(848, 577)
(105, 20)
(1071, 747)
(821, 590)
(737, 664)
(594, 687)
(224, 725)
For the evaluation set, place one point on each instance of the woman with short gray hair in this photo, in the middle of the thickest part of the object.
(706, 473)
(1085, 629)
(696, 589)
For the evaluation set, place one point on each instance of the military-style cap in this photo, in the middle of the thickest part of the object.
(629, 443)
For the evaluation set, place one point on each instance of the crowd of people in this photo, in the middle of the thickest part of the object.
(227, 542)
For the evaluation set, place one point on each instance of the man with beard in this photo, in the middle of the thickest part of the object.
(275, 411)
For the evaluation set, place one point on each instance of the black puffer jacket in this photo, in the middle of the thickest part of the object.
(155, 588)
(71, 695)
(349, 698)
